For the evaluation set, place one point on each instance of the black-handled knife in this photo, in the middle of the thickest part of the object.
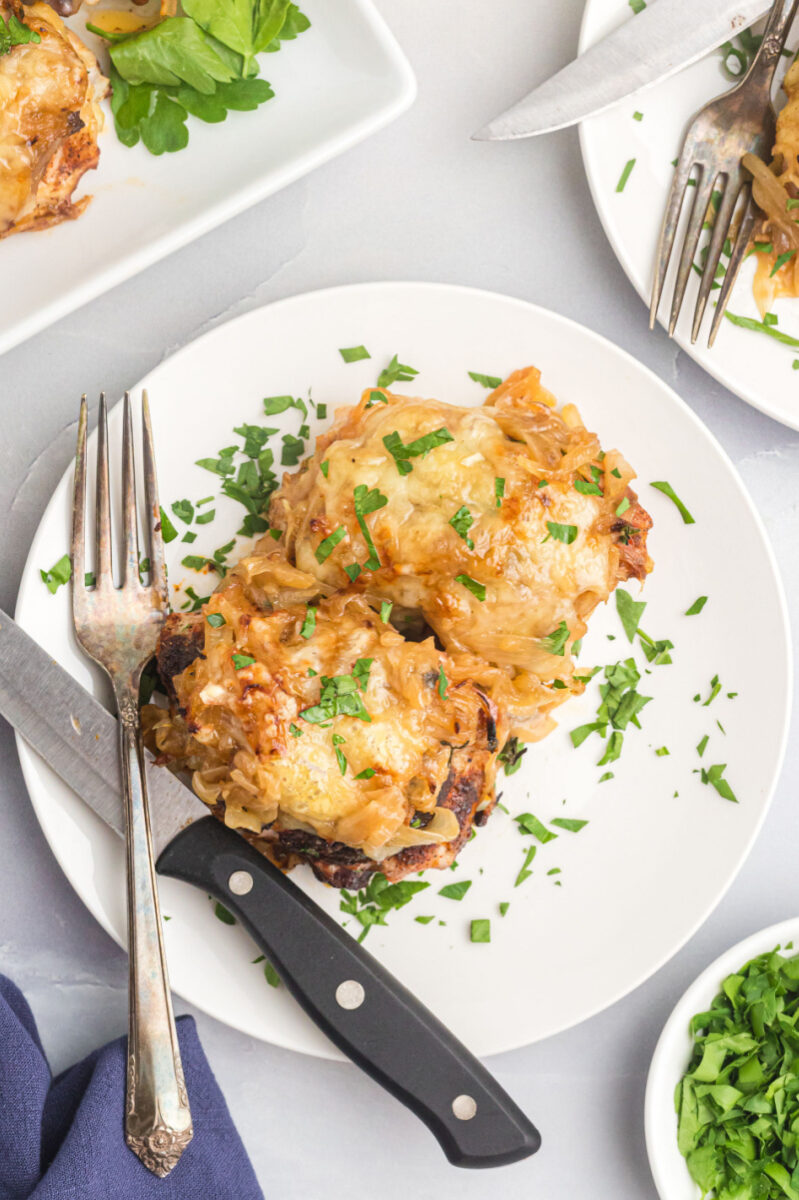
(362, 1008)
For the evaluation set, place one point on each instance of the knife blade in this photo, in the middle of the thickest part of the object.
(663, 38)
(362, 1008)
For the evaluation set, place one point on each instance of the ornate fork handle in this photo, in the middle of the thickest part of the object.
(777, 29)
(158, 1124)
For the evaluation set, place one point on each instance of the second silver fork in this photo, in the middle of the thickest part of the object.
(742, 121)
(118, 628)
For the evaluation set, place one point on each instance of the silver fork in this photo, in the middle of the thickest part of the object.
(118, 628)
(742, 121)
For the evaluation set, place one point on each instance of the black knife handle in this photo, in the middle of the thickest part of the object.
(390, 1034)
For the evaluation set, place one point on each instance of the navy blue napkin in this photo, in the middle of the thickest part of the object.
(63, 1139)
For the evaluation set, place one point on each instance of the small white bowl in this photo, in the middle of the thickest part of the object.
(673, 1052)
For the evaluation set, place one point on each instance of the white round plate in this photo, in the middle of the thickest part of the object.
(673, 1053)
(753, 366)
(572, 942)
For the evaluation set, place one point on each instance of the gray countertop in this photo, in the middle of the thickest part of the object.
(418, 201)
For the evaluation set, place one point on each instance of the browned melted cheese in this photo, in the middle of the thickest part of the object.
(49, 121)
(533, 581)
(243, 734)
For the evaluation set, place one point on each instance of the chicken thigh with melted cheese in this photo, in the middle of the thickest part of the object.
(315, 728)
(50, 117)
(504, 526)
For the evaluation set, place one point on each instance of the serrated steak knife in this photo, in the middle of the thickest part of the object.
(660, 40)
(363, 1009)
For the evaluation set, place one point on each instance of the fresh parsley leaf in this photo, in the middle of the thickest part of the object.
(271, 975)
(488, 381)
(173, 52)
(587, 488)
(195, 602)
(455, 891)
(366, 773)
(499, 490)
(309, 624)
(781, 261)
(385, 610)
(525, 872)
(528, 823)
(424, 920)
(60, 572)
(442, 683)
(571, 825)
(375, 397)
(340, 696)
(215, 620)
(555, 642)
(625, 175)
(462, 523)
(184, 510)
(328, 544)
(561, 533)
(368, 501)
(240, 661)
(477, 589)
(715, 777)
(222, 914)
(696, 607)
(630, 612)
(504, 905)
(669, 491)
(354, 354)
(274, 405)
(417, 449)
(395, 372)
(14, 33)
(481, 930)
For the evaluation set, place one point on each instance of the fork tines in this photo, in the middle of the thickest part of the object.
(104, 570)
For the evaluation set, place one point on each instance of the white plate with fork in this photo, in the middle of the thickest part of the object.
(647, 130)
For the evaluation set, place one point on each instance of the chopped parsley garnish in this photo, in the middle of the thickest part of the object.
(488, 381)
(608, 775)
(168, 531)
(504, 905)
(341, 696)
(715, 777)
(195, 602)
(184, 510)
(340, 759)
(587, 487)
(294, 730)
(223, 465)
(59, 574)
(570, 824)
(561, 533)
(766, 327)
(499, 490)
(613, 751)
(328, 544)
(372, 903)
(368, 501)
(352, 570)
(477, 589)
(480, 930)
(442, 683)
(555, 642)
(530, 824)
(293, 450)
(630, 612)
(366, 773)
(417, 449)
(242, 660)
(525, 872)
(715, 688)
(781, 261)
(385, 610)
(624, 504)
(215, 620)
(14, 33)
(662, 751)
(222, 914)
(324, 467)
(637, 6)
(511, 754)
(702, 745)
(309, 624)
(462, 523)
(696, 607)
(620, 705)
(455, 891)
(206, 517)
(273, 405)
(376, 397)
(669, 491)
(625, 175)
(353, 354)
(395, 372)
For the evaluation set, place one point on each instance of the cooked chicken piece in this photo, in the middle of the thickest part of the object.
(504, 526)
(317, 730)
(50, 117)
